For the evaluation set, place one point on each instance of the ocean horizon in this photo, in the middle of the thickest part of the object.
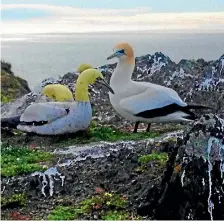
(36, 57)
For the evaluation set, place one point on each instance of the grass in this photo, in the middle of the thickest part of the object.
(14, 200)
(22, 160)
(108, 206)
(98, 133)
(160, 158)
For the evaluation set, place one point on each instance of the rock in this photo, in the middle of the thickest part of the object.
(12, 86)
(196, 191)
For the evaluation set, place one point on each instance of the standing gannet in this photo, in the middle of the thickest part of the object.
(54, 118)
(144, 101)
(59, 92)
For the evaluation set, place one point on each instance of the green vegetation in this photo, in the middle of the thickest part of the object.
(160, 158)
(11, 86)
(106, 133)
(14, 200)
(62, 213)
(21, 160)
(157, 159)
(112, 134)
(109, 206)
(116, 215)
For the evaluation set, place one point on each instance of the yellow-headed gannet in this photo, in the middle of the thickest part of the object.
(144, 101)
(53, 118)
(59, 92)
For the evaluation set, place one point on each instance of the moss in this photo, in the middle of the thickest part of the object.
(160, 158)
(14, 200)
(62, 213)
(105, 205)
(21, 160)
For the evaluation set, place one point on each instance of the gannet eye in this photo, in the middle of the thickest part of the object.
(122, 51)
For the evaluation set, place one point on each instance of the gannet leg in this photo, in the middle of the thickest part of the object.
(148, 128)
(136, 127)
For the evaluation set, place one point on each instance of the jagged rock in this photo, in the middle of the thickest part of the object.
(196, 190)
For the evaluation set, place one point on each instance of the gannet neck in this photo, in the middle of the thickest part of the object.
(81, 92)
(122, 73)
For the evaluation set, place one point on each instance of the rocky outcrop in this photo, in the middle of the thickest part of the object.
(192, 184)
(12, 86)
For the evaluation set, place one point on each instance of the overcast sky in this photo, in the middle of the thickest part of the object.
(75, 16)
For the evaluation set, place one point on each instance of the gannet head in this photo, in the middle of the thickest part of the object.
(83, 67)
(124, 52)
(91, 76)
(57, 92)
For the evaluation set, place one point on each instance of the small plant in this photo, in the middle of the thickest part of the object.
(116, 215)
(160, 158)
(14, 200)
(22, 160)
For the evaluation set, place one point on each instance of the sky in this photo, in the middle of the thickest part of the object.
(78, 16)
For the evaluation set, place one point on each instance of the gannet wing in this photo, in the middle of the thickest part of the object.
(153, 101)
(45, 111)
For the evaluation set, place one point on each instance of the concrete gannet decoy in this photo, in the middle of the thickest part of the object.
(144, 101)
(54, 118)
(59, 92)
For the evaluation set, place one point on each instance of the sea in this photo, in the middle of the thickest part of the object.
(36, 57)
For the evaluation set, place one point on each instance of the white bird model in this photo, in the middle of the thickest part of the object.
(54, 118)
(144, 101)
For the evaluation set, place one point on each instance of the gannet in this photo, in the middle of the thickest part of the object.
(54, 118)
(59, 92)
(144, 101)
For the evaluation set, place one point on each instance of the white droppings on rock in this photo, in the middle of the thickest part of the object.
(51, 175)
(170, 135)
(203, 181)
(179, 74)
(182, 178)
(95, 150)
(212, 81)
(222, 64)
(157, 65)
(210, 203)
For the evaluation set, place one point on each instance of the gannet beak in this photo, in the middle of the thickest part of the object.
(112, 56)
(103, 82)
(117, 54)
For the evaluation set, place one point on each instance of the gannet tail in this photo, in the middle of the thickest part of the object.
(10, 122)
(190, 114)
(197, 106)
